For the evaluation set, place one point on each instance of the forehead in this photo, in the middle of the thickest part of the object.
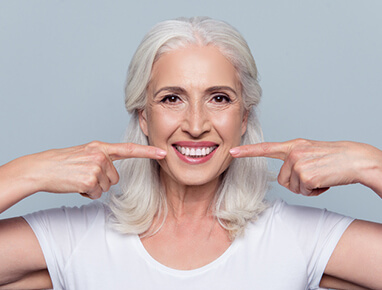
(194, 67)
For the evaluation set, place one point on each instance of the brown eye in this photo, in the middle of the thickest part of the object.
(221, 99)
(170, 99)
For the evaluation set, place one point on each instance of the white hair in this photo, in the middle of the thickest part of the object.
(240, 197)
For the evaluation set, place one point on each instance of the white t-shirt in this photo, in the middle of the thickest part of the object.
(288, 247)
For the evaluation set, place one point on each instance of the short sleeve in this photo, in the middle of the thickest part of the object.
(59, 231)
(317, 232)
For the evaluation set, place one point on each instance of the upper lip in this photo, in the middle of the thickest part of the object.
(193, 144)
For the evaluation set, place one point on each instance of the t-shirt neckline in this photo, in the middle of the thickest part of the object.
(176, 272)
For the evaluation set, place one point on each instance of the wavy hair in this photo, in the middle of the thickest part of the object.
(240, 197)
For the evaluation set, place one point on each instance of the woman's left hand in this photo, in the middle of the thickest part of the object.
(312, 167)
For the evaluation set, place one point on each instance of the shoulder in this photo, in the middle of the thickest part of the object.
(87, 210)
(68, 219)
(281, 211)
(305, 226)
(298, 238)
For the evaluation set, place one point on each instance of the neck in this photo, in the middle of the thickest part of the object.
(189, 202)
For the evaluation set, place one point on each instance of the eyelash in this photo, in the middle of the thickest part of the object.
(175, 98)
(170, 99)
(224, 97)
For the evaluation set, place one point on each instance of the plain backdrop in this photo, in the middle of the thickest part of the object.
(63, 66)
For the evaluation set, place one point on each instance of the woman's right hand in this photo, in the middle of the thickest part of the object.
(87, 169)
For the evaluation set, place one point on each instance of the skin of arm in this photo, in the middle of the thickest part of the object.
(331, 282)
(17, 241)
(87, 169)
(34, 280)
(346, 267)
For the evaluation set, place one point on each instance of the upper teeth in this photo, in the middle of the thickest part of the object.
(195, 152)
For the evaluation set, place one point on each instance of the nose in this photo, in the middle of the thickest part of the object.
(196, 121)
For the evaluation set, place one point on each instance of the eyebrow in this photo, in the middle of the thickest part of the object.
(177, 90)
(221, 88)
(180, 90)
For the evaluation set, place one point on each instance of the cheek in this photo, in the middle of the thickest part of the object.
(229, 127)
(160, 127)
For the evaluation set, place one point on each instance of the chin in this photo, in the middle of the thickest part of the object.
(199, 179)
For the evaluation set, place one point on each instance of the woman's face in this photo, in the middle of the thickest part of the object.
(195, 112)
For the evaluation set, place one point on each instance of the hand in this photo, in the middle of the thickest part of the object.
(312, 167)
(87, 169)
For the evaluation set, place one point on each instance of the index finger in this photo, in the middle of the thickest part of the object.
(119, 151)
(277, 150)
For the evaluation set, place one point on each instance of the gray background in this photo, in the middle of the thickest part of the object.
(63, 65)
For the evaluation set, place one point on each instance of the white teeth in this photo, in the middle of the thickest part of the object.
(195, 152)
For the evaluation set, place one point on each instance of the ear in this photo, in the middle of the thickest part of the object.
(142, 115)
(244, 122)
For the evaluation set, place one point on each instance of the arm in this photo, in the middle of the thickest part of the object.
(22, 262)
(34, 280)
(331, 282)
(87, 169)
(357, 257)
(311, 168)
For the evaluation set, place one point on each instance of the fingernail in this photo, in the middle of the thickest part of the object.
(161, 153)
(234, 151)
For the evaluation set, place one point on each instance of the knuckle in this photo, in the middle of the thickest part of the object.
(305, 191)
(306, 179)
(299, 145)
(93, 196)
(301, 141)
(99, 157)
(295, 155)
(95, 143)
(130, 148)
(97, 194)
(309, 181)
(92, 145)
(94, 170)
(294, 189)
(265, 147)
(299, 167)
(90, 183)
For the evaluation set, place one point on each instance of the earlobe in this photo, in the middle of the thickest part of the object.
(143, 121)
(244, 122)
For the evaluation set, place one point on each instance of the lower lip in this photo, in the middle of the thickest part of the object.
(194, 160)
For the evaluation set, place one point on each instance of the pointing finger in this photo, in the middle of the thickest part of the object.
(119, 151)
(278, 150)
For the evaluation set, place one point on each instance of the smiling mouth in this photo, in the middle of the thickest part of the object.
(195, 152)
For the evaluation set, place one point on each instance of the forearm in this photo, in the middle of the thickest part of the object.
(16, 182)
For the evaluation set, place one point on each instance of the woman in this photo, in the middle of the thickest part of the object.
(190, 213)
